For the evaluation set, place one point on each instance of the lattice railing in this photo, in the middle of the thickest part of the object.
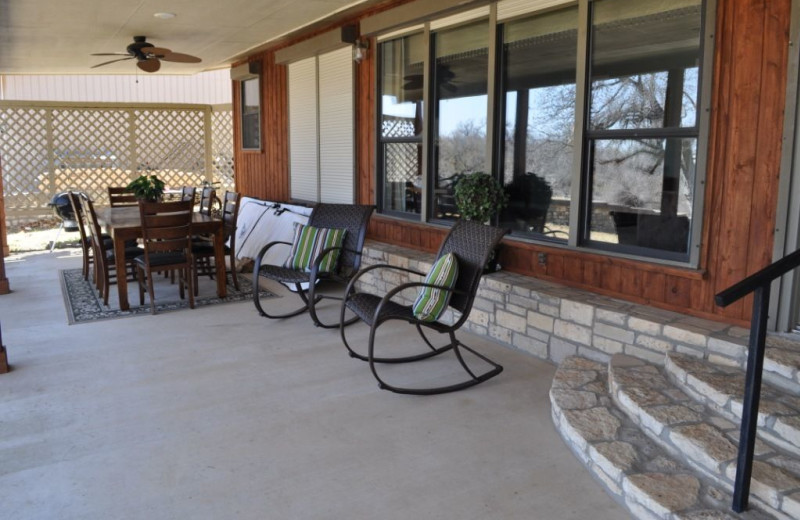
(47, 148)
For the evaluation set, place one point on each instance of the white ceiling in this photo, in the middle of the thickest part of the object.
(58, 36)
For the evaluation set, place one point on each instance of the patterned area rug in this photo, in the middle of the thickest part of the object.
(84, 305)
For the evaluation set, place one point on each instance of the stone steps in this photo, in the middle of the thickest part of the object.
(782, 361)
(722, 388)
(694, 434)
(635, 470)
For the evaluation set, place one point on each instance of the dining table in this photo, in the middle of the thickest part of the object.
(124, 223)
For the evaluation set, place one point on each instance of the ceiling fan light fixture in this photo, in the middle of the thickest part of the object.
(165, 16)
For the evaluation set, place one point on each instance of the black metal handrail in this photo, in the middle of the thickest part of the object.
(758, 283)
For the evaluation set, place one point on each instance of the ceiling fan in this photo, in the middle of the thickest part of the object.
(148, 57)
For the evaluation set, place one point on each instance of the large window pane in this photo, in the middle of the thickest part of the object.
(645, 58)
(460, 104)
(642, 130)
(642, 192)
(401, 110)
(539, 57)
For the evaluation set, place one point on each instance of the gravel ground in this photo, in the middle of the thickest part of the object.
(39, 236)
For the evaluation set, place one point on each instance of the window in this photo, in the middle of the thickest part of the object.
(642, 126)
(401, 124)
(538, 75)
(321, 126)
(460, 101)
(596, 135)
(251, 114)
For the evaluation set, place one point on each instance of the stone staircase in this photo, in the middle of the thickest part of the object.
(663, 439)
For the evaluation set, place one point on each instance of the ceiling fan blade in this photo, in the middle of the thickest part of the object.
(112, 61)
(110, 54)
(157, 51)
(180, 58)
(149, 65)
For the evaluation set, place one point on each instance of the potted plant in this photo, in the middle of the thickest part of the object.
(147, 187)
(479, 196)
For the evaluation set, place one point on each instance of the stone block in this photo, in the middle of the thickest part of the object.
(483, 304)
(663, 494)
(615, 458)
(727, 348)
(642, 325)
(497, 284)
(500, 333)
(511, 321)
(530, 345)
(549, 310)
(612, 332)
(560, 349)
(654, 344)
(540, 321)
(641, 353)
(573, 332)
(479, 317)
(684, 335)
(516, 309)
(609, 346)
(612, 317)
(491, 295)
(526, 303)
(577, 312)
(591, 353)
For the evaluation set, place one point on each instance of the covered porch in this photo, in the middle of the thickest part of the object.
(217, 413)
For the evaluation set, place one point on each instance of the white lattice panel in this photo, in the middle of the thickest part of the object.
(23, 146)
(47, 148)
(222, 148)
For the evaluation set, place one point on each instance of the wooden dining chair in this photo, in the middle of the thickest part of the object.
(103, 252)
(121, 196)
(86, 239)
(203, 250)
(167, 238)
(207, 196)
(187, 193)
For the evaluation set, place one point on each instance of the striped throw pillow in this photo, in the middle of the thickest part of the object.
(309, 242)
(431, 303)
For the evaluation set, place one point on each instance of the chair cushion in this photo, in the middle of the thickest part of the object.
(309, 242)
(431, 302)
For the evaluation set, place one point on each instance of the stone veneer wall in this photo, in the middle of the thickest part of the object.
(552, 321)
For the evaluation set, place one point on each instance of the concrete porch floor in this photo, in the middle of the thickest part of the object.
(218, 413)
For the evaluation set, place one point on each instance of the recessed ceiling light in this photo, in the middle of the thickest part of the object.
(165, 16)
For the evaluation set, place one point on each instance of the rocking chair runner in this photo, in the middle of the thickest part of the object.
(472, 243)
(354, 219)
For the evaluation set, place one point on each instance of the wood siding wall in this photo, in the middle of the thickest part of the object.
(748, 96)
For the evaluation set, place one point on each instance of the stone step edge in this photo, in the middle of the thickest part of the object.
(585, 417)
(783, 429)
(782, 362)
(679, 426)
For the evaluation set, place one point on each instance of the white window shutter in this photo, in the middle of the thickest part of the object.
(336, 127)
(303, 140)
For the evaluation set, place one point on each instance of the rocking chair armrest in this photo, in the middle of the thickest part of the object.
(389, 295)
(260, 255)
(364, 271)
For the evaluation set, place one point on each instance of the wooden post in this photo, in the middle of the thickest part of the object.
(4, 288)
(3, 357)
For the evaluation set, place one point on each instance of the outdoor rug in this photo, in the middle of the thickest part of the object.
(84, 305)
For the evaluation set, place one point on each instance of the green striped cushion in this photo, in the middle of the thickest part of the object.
(309, 242)
(431, 303)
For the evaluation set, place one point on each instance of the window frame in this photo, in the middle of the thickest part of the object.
(580, 203)
(257, 116)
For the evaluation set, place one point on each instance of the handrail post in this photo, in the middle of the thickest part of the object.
(752, 396)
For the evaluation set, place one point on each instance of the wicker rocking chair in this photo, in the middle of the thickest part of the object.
(351, 217)
(472, 243)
